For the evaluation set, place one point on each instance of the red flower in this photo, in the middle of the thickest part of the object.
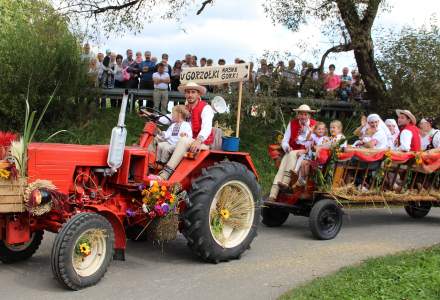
(152, 214)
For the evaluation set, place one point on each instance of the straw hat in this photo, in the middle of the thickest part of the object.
(192, 86)
(408, 114)
(304, 108)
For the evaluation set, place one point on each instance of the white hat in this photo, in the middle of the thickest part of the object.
(192, 86)
(408, 114)
(219, 104)
(304, 108)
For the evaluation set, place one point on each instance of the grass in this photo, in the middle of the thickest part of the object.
(96, 128)
(409, 275)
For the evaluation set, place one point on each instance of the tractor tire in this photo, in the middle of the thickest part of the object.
(229, 242)
(72, 269)
(273, 216)
(418, 211)
(325, 220)
(14, 253)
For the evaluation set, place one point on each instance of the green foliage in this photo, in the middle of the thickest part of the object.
(409, 63)
(36, 47)
(410, 275)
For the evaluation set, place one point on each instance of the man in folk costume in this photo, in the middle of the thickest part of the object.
(409, 138)
(293, 141)
(201, 116)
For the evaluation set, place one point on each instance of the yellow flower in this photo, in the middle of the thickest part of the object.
(155, 184)
(163, 188)
(224, 213)
(84, 248)
(154, 189)
(4, 174)
(172, 199)
(162, 194)
(144, 192)
(388, 154)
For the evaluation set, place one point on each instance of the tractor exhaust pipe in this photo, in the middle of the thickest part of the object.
(118, 138)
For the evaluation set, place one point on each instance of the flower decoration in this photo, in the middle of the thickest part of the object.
(418, 158)
(225, 214)
(159, 200)
(84, 248)
(4, 174)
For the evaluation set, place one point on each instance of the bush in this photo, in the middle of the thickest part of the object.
(37, 50)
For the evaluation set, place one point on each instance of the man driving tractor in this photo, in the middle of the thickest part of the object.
(201, 116)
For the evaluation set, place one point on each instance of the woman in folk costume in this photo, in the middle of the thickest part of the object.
(293, 142)
(394, 129)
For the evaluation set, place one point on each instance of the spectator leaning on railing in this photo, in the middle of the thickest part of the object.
(161, 80)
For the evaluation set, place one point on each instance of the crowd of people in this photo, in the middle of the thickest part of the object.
(145, 71)
(304, 136)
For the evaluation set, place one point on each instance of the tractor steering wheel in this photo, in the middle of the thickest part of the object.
(153, 114)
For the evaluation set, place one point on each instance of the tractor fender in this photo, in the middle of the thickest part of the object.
(207, 158)
(118, 229)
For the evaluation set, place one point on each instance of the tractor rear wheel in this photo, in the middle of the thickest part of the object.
(14, 253)
(222, 216)
(273, 216)
(82, 251)
(418, 210)
(325, 220)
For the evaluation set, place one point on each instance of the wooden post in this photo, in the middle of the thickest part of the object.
(240, 92)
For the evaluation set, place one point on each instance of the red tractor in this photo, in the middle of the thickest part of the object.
(100, 197)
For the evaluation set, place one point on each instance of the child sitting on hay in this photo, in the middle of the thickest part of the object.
(166, 141)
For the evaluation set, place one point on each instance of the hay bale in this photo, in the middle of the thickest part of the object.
(163, 229)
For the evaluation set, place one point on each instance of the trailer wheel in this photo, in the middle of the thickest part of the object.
(14, 253)
(418, 210)
(82, 251)
(273, 216)
(224, 185)
(325, 219)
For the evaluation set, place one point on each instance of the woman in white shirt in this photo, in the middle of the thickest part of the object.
(380, 134)
(430, 136)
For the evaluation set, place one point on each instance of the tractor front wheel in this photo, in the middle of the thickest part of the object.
(221, 219)
(82, 251)
(14, 253)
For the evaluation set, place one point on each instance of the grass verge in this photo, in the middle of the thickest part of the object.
(409, 275)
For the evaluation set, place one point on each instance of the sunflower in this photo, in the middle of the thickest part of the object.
(225, 214)
(4, 174)
(84, 248)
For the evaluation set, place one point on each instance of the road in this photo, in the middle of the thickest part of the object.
(280, 258)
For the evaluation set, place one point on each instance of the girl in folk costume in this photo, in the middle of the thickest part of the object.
(394, 130)
(295, 139)
(317, 138)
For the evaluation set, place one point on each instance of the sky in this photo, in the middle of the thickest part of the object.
(232, 28)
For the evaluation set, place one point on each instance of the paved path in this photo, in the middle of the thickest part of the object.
(280, 258)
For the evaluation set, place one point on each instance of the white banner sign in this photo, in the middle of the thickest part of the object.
(215, 75)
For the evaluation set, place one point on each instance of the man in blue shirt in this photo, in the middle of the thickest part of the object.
(147, 69)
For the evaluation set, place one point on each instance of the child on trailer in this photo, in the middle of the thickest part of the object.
(317, 138)
(323, 142)
(166, 141)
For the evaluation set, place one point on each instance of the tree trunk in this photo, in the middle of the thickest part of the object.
(364, 55)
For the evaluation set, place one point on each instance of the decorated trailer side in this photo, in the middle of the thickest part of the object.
(357, 178)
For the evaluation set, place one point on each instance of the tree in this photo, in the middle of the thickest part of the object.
(409, 61)
(37, 52)
(123, 15)
(352, 20)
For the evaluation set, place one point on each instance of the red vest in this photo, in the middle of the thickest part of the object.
(416, 141)
(295, 127)
(196, 122)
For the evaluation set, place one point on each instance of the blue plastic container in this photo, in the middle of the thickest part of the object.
(230, 143)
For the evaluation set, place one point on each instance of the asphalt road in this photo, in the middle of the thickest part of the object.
(280, 258)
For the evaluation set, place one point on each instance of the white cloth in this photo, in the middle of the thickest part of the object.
(405, 140)
(302, 136)
(382, 127)
(381, 140)
(163, 76)
(184, 130)
(206, 128)
(434, 136)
